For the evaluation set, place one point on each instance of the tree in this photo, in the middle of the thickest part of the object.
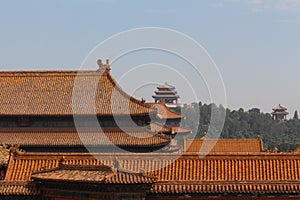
(296, 115)
(245, 124)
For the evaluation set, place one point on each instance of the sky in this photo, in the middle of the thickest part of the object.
(255, 44)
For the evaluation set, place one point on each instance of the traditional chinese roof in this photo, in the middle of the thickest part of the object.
(4, 155)
(101, 174)
(229, 187)
(24, 188)
(297, 150)
(165, 91)
(163, 112)
(259, 172)
(165, 96)
(87, 136)
(224, 145)
(158, 127)
(170, 92)
(166, 86)
(279, 107)
(280, 113)
(51, 93)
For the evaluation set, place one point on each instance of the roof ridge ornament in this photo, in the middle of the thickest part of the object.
(61, 161)
(102, 66)
(116, 164)
(14, 150)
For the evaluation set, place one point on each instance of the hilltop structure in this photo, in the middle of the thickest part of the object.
(48, 156)
(279, 113)
(166, 94)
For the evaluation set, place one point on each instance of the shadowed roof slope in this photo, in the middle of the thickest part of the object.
(89, 137)
(101, 174)
(51, 93)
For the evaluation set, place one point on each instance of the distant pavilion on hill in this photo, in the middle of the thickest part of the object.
(279, 113)
(166, 94)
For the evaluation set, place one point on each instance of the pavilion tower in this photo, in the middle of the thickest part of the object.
(166, 94)
(279, 113)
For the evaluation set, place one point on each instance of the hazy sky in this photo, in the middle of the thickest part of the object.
(255, 43)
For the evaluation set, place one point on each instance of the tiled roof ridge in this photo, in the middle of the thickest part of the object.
(33, 73)
(175, 182)
(138, 137)
(279, 107)
(297, 150)
(228, 145)
(26, 188)
(110, 174)
(127, 171)
(164, 125)
(75, 167)
(185, 156)
(169, 128)
(165, 85)
(138, 107)
(161, 125)
(3, 182)
(225, 139)
(74, 129)
(177, 115)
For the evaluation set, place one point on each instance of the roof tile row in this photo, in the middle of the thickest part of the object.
(65, 93)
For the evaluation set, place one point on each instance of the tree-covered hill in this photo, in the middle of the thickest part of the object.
(284, 135)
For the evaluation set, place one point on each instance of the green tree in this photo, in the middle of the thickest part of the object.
(245, 124)
(296, 115)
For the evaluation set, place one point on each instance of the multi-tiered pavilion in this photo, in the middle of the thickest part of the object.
(166, 94)
(279, 112)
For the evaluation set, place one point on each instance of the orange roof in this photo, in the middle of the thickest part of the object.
(279, 107)
(166, 85)
(163, 112)
(101, 174)
(224, 145)
(50, 93)
(257, 172)
(18, 188)
(297, 150)
(158, 127)
(88, 136)
(4, 155)
(230, 187)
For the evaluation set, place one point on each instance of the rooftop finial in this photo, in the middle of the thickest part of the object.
(61, 161)
(116, 164)
(100, 64)
(107, 65)
(103, 66)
